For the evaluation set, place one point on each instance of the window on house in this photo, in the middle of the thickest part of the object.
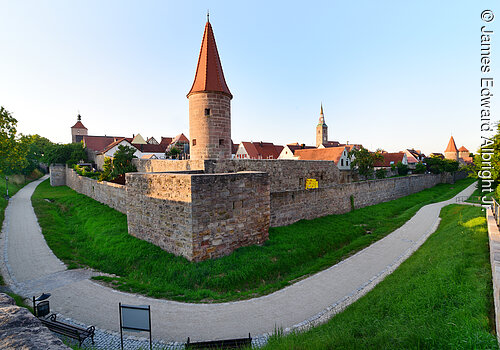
(207, 112)
(194, 142)
(342, 162)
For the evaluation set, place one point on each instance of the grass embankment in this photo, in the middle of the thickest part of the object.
(476, 197)
(440, 298)
(82, 231)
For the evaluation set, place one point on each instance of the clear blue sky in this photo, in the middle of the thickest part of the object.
(390, 74)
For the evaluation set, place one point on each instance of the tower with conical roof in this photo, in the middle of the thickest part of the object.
(451, 151)
(209, 104)
(78, 131)
(321, 130)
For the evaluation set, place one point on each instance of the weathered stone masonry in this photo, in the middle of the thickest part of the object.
(206, 209)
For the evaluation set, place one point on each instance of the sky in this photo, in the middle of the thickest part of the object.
(390, 74)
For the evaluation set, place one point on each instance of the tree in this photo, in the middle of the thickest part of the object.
(12, 150)
(437, 165)
(420, 168)
(173, 152)
(122, 161)
(38, 147)
(380, 173)
(364, 160)
(402, 168)
(70, 154)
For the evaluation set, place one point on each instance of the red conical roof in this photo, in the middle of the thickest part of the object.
(451, 146)
(463, 149)
(209, 76)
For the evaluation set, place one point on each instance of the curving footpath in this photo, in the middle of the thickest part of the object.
(31, 268)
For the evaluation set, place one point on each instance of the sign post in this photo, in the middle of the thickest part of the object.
(135, 318)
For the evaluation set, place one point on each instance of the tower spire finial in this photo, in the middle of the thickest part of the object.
(321, 108)
(208, 16)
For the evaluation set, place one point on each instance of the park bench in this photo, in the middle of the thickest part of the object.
(220, 344)
(68, 330)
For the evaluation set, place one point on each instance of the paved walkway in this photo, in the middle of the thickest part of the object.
(32, 268)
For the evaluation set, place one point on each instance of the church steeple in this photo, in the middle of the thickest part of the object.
(321, 130)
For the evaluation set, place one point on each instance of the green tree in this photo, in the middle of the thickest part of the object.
(38, 147)
(122, 161)
(173, 152)
(402, 168)
(380, 173)
(107, 169)
(70, 154)
(420, 168)
(364, 160)
(12, 150)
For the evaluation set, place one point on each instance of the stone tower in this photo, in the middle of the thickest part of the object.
(321, 130)
(78, 130)
(209, 104)
(451, 152)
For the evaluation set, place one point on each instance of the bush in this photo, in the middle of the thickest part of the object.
(420, 168)
(381, 173)
(402, 169)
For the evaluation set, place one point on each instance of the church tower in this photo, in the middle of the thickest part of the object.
(321, 130)
(78, 130)
(209, 104)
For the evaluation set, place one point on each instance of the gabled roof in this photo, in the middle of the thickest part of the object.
(331, 153)
(262, 150)
(463, 149)
(390, 158)
(180, 138)
(139, 140)
(165, 141)
(117, 142)
(79, 125)
(209, 75)
(451, 146)
(295, 146)
(98, 143)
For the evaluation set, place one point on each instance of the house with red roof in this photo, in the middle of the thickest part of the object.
(288, 151)
(391, 159)
(339, 155)
(258, 150)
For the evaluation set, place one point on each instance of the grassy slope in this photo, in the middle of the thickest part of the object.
(82, 231)
(440, 298)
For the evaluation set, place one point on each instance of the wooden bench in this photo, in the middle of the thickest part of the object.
(68, 330)
(220, 344)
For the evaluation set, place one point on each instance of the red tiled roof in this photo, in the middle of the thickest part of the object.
(151, 148)
(111, 145)
(296, 146)
(180, 138)
(451, 146)
(262, 150)
(209, 75)
(331, 153)
(463, 149)
(98, 143)
(234, 147)
(395, 158)
(165, 141)
(79, 125)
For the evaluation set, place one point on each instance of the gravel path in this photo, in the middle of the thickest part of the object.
(31, 268)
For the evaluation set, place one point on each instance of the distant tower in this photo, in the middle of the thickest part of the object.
(209, 104)
(451, 152)
(78, 131)
(463, 153)
(321, 130)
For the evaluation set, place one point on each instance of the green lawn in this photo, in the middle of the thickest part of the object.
(440, 298)
(84, 232)
(13, 188)
(476, 196)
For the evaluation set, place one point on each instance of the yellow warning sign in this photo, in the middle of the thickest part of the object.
(311, 183)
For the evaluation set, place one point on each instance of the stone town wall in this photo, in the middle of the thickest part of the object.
(163, 165)
(288, 207)
(284, 174)
(111, 194)
(199, 216)
(57, 175)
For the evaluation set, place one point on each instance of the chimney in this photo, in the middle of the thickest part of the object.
(347, 143)
(303, 146)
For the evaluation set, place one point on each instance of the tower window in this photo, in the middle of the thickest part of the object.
(221, 142)
(194, 142)
(207, 112)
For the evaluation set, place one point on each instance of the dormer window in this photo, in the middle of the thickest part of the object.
(207, 112)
